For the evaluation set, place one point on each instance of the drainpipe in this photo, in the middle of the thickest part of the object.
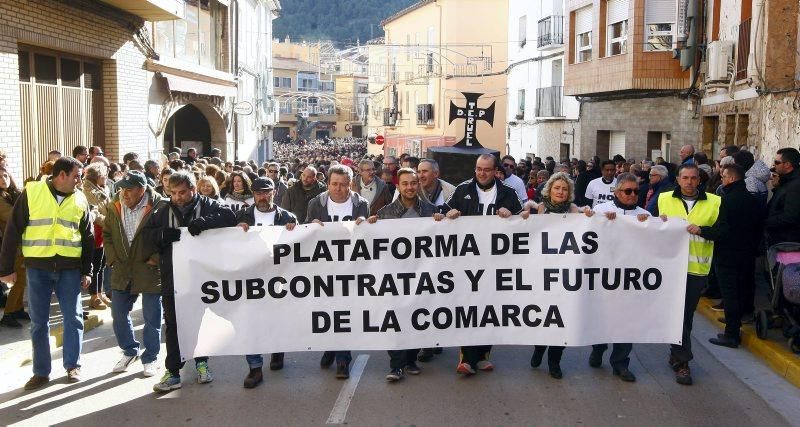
(235, 24)
(756, 22)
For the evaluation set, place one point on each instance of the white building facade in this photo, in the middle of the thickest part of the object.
(255, 97)
(541, 120)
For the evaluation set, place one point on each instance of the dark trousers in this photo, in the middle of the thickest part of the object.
(554, 353)
(341, 356)
(98, 268)
(173, 361)
(620, 353)
(694, 287)
(474, 353)
(732, 283)
(399, 359)
(748, 294)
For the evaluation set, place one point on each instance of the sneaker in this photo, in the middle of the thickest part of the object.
(150, 369)
(327, 359)
(718, 307)
(683, 375)
(123, 363)
(36, 382)
(254, 378)
(73, 375)
(465, 368)
(343, 370)
(426, 355)
(625, 375)
(9, 321)
(395, 375)
(413, 369)
(203, 373)
(596, 358)
(485, 365)
(168, 382)
(97, 304)
(276, 362)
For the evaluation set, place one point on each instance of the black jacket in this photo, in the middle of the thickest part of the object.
(465, 198)
(783, 211)
(296, 199)
(213, 214)
(282, 216)
(12, 238)
(739, 244)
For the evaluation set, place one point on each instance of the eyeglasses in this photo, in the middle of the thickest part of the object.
(629, 191)
(485, 170)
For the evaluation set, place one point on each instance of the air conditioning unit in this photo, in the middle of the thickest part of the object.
(720, 56)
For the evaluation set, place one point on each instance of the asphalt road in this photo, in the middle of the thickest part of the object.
(304, 394)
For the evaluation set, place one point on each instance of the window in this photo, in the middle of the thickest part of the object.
(617, 27)
(327, 86)
(206, 34)
(521, 104)
(583, 34)
(285, 107)
(24, 66)
(70, 72)
(617, 38)
(45, 66)
(282, 82)
(306, 82)
(195, 37)
(659, 25)
(523, 30)
(658, 37)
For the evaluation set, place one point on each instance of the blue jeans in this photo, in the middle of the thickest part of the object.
(121, 306)
(67, 286)
(254, 361)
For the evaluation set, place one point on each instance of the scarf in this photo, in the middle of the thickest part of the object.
(434, 194)
(240, 196)
(177, 214)
(624, 207)
(557, 208)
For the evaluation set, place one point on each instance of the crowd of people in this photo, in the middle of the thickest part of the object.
(108, 228)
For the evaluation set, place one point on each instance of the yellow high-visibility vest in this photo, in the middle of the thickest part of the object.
(53, 228)
(704, 214)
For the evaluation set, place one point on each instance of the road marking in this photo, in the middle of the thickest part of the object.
(339, 411)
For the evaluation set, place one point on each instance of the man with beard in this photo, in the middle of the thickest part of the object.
(482, 195)
(264, 213)
(297, 198)
(185, 208)
(407, 205)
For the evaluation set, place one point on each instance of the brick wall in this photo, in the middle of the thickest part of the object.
(87, 28)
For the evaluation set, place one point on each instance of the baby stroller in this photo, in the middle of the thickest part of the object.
(783, 261)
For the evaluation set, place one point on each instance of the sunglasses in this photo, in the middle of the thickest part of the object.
(629, 191)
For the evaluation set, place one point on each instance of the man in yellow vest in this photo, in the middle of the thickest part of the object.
(706, 217)
(51, 223)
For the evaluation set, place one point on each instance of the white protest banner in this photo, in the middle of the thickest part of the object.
(411, 283)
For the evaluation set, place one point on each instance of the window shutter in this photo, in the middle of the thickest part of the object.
(660, 11)
(616, 11)
(583, 20)
(616, 144)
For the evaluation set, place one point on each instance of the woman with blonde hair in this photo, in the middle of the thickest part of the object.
(14, 308)
(98, 195)
(208, 187)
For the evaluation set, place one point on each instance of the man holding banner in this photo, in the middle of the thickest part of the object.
(706, 216)
(338, 204)
(263, 213)
(408, 205)
(186, 208)
(482, 195)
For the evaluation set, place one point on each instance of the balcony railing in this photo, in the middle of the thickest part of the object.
(425, 114)
(743, 49)
(549, 101)
(551, 32)
(389, 117)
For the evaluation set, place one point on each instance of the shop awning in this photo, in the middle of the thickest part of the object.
(185, 84)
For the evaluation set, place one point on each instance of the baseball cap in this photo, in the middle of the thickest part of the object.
(132, 179)
(263, 184)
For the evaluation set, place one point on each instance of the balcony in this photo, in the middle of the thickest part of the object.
(549, 101)
(551, 32)
(743, 49)
(425, 115)
(150, 10)
(389, 117)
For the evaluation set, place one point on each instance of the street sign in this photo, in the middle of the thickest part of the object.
(379, 139)
(243, 108)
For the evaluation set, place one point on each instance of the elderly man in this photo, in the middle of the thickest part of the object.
(706, 216)
(659, 183)
(338, 204)
(296, 198)
(509, 166)
(52, 223)
(407, 205)
(273, 173)
(686, 154)
(626, 196)
(370, 187)
(263, 213)
(134, 257)
(185, 208)
(432, 189)
(390, 164)
(482, 195)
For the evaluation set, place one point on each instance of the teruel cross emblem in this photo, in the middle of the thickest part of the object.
(471, 114)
